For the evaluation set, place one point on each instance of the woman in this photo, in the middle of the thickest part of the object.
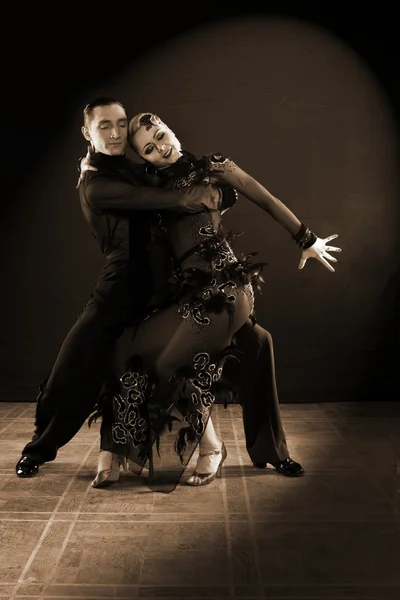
(181, 359)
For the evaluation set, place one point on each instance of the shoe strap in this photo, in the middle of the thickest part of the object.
(211, 453)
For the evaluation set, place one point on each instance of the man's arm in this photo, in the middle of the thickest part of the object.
(104, 194)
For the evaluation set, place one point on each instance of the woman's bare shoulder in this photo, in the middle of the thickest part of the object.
(218, 162)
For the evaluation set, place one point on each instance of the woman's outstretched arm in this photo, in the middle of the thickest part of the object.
(225, 171)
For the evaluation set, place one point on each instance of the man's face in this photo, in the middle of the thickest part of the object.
(107, 129)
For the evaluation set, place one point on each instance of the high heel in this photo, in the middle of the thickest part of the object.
(108, 469)
(198, 479)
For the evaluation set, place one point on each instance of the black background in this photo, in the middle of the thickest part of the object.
(53, 58)
(50, 57)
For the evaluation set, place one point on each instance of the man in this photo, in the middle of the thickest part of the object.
(122, 294)
(123, 289)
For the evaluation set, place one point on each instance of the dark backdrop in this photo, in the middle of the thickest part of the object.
(305, 99)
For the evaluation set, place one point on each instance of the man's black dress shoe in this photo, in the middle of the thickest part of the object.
(26, 467)
(287, 467)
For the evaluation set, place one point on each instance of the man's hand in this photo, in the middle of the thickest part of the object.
(199, 197)
(320, 251)
(85, 166)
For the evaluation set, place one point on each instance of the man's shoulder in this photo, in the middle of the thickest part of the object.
(93, 187)
(93, 179)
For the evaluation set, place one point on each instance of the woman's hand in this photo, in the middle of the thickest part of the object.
(85, 166)
(320, 251)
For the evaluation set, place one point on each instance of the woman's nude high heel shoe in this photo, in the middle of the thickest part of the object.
(198, 479)
(108, 469)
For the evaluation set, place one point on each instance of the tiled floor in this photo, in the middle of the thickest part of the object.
(333, 534)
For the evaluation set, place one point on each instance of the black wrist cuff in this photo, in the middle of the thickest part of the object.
(304, 238)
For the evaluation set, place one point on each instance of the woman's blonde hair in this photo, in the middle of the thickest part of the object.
(144, 119)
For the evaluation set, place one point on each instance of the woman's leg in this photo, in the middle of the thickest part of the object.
(117, 440)
(212, 453)
(210, 440)
(184, 350)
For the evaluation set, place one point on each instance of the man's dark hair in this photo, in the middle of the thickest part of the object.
(101, 101)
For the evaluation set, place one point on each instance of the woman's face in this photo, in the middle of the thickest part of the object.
(156, 143)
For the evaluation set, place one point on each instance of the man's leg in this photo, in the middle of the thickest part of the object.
(71, 391)
(258, 396)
